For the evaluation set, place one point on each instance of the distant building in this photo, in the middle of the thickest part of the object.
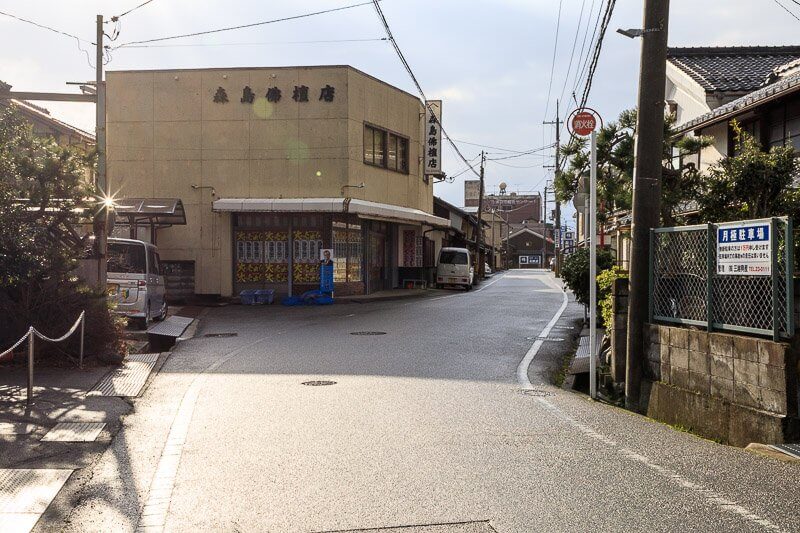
(45, 125)
(518, 208)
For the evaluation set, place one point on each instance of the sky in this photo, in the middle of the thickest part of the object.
(490, 61)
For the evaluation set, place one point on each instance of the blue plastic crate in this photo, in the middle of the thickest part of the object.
(248, 297)
(264, 296)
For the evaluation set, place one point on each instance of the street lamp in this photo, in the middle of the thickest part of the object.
(359, 186)
(633, 33)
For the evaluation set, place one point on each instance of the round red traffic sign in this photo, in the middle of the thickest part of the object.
(583, 123)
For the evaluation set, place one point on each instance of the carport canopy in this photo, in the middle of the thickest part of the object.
(155, 212)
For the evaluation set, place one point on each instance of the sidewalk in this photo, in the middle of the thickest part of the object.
(388, 295)
(52, 443)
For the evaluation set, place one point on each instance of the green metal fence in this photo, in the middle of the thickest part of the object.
(686, 287)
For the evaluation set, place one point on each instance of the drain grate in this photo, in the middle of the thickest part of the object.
(220, 335)
(540, 338)
(129, 379)
(788, 449)
(367, 333)
(536, 392)
(74, 432)
(319, 383)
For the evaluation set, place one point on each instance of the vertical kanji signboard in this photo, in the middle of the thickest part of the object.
(433, 138)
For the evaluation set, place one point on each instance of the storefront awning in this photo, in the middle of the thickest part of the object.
(362, 208)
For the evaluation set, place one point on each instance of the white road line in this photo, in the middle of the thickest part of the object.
(463, 293)
(154, 513)
(522, 368)
(491, 283)
(710, 496)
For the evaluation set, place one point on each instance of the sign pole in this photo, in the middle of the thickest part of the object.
(583, 122)
(593, 269)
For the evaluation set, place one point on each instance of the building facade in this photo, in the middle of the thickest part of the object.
(273, 166)
(518, 208)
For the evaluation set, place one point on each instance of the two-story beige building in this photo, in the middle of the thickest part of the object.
(274, 165)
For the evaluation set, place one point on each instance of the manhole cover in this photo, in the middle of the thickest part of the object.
(318, 383)
(221, 335)
(536, 392)
(367, 333)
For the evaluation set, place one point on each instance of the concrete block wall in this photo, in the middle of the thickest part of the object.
(744, 370)
(735, 388)
(619, 331)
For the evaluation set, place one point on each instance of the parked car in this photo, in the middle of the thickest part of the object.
(135, 282)
(455, 268)
(487, 270)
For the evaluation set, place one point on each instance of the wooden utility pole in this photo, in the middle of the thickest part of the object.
(646, 184)
(544, 229)
(102, 218)
(479, 235)
(557, 228)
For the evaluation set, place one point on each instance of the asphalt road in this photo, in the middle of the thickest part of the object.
(434, 423)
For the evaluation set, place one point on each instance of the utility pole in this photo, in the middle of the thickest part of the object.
(544, 228)
(479, 235)
(102, 219)
(557, 232)
(646, 184)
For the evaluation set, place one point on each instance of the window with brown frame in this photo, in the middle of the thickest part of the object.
(385, 149)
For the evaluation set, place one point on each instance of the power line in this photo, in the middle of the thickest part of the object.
(572, 53)
(131, 10)
(585, 59)
(598, 47)
(416, 83)
(553, 64)
(256, 44)
(514, 166)
(243, 26)
(45, 27)
(788, 10)
(523, 154)
(492, 147)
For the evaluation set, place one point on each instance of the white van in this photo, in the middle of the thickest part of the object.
(455, 268)
(135, 282)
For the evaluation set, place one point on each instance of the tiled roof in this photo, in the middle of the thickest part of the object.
(787, 85)
(732, 68)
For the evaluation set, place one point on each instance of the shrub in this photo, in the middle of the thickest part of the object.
(44, 198)
(605, 299)
(576, 271)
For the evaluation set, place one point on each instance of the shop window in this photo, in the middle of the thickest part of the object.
(385, 149)
(305, 269)
(347, 252)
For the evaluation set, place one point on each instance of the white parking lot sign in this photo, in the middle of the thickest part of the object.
(744, 248)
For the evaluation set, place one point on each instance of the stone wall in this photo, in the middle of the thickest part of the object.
(734, 388)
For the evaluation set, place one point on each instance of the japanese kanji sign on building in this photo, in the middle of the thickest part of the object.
(744, 248)
(433, 137)
(274, 94)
